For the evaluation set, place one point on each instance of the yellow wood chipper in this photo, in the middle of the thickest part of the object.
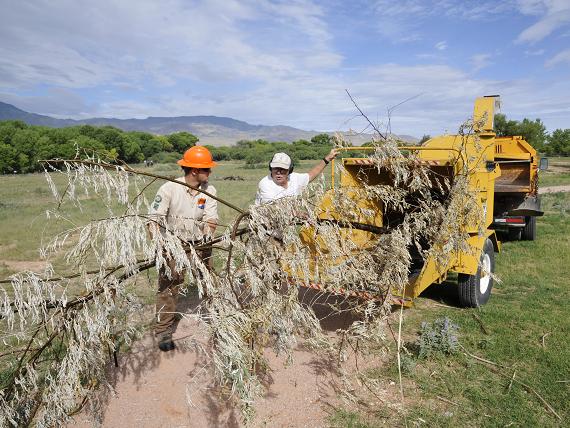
(480, 157)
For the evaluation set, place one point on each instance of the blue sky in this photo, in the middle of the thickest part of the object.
(288, 62)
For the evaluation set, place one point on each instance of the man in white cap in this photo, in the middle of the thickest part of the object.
(282, 181)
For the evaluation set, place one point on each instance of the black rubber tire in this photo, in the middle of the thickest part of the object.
(529, 231)
(514, 234)
(470, 287)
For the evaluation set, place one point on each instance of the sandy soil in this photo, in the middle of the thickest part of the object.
(24, 265)
(175, 389)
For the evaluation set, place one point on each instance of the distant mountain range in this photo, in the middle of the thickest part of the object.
(214, 130)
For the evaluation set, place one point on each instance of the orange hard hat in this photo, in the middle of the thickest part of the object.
(197, 157)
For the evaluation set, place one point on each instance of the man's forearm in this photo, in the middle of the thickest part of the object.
(210, 227)
(318, 168)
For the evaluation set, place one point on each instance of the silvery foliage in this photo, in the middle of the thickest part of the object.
(63, 329)
(438, 338)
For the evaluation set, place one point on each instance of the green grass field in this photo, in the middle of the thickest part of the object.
(557, 174)
(525, 327)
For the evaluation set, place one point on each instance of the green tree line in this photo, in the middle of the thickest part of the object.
(534, 132)
(259, 152)
(22, 145)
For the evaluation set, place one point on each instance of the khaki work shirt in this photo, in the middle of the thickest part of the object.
(185, 211)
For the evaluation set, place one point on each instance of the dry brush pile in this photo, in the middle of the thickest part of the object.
(56, 344)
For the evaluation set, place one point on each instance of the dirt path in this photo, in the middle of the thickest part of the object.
(24, 265)
(554, 189)
(175, 389)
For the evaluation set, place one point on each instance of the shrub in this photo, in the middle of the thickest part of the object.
(439, 338)
(166, 157)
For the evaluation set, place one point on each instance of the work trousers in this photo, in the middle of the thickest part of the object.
(168, 292)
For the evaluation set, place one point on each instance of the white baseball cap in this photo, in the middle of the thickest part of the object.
(280, 160)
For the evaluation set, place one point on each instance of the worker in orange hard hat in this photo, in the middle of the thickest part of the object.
(191, 216)
(197, 157)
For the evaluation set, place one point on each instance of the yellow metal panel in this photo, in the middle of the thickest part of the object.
(484, 114)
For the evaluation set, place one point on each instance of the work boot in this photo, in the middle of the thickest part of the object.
(166, 346)
(177, 318)
(165, 342)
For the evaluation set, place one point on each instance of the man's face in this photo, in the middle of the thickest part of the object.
(202, 174)
(279, 176)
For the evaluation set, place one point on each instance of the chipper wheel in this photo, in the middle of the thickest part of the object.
(514, 234)
(529, 231)
(475, 290)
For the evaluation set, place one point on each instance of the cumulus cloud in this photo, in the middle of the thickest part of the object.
(320, 102)
(443, 96)
(73, 44)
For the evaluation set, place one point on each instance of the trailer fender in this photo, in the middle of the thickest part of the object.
(496, 243)
(530, 206)
(469, 260)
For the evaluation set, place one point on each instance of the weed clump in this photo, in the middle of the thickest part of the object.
(438, 338)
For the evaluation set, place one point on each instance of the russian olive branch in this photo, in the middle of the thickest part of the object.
(128, 169)
(270, 262)
(142, 265)
(364, 116)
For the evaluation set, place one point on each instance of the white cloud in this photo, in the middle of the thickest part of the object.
(78, 44)
(532, 7)
(408, 20)
(560, 58)
(405, 7)
(537, 52)
(480, 61)
(482, 9)
(445, 101)
(441, 46)
(553, 15)
(320, 102)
